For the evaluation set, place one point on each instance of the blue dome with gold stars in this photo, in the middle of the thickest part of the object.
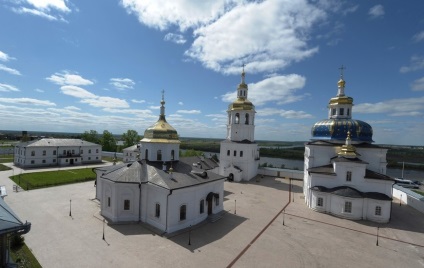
(335, 129)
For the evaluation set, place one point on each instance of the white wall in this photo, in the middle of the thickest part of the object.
(409, 198)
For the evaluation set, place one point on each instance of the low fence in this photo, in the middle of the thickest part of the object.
(409, 197)
(281, 173)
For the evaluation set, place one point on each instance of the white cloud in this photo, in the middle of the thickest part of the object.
(395, 107)
(66, 78)
(161, 14)
(39, 90)
(290, 114)
(35, 12)
(189, 112)
(175, 38)
(154, 107)
(106, 102)
(27, 101)
(9, 70)
(418, 85)
(418, 37)
(5, 57)
(274, 36)
(417, 63)
(73, 108)
(48, 9)
(122, 83)
(77, 92)
(7, 88)
(138, 101)
(376, 11)
(279, 89)
(48, 5)
(180, 103)
(129, 111)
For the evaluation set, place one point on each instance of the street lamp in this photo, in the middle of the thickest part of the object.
(284, 213)
(235, 206)
(377, 237)
(400, 201)
(70, 207)
(104, 229)
(189, 236)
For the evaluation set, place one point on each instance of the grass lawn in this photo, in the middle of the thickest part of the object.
(6, 158)
(23, 257)
(419, 192)
(36, 180)
(4, 168)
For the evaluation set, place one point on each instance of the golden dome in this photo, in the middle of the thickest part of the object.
(341, 100)
(341, 83)
(241, 104)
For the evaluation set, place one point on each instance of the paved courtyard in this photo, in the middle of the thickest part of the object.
(299, 237)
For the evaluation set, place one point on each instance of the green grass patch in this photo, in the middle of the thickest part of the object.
(38, 180)
(419, 192)
(23, 257)
(4, 168)
(6, 158)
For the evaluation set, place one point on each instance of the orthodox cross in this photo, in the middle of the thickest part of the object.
(341, 71)
(163, 93)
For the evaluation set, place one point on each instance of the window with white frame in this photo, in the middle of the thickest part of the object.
(348, 207)
(320, 202)
(32, 153)
(378, 211)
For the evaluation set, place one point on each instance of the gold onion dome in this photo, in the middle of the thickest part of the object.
(161, 131)
(241, 103)
(348, 150)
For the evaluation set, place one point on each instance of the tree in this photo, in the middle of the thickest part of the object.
(91, 136)
(108, 142)
(130, 138)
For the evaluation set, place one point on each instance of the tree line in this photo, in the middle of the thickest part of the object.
(108, 141)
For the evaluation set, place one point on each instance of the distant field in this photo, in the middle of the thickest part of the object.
(36, 180)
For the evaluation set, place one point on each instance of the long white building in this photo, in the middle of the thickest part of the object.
(239, 153)
(344, 172)
(56, 152)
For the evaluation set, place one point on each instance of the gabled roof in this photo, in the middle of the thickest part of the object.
(50, 142)
(351, 192)
(327, 169)
(347, 160)
(9, 221)
(183, 173)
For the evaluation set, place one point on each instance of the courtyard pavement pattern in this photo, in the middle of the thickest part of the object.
(299, 237)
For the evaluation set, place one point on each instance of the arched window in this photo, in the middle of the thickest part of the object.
(229, 119)
(157, 211)
(237, 118)
(246, 119)
(146, 154)
(348, 112)
(202, 206)
(159, 155)
(172, 155)
(183, 210)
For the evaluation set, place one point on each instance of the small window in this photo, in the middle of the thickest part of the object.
(44, 161)
(89, 151)
(97, 150)
(241, 153)
(44, 152)
(348, 112)
(183, 209)
(82, 151)
(157, 212)
(378, 211)
(159, 155)
(66, 160)
(216, 201)
(341, 111)
(32, 162)
(320, 202)
(126, 204)
(246, 119)
(202, 206)
(108, 201)
(333, 112)
(32, 153)
(349, 176)
(54, 160)
(237, 118)
(89, 158)
(172, 155)
(235, 153)
(348, 207)
(97, 158)
(64, 152)
(73, 151)
(54, 152)
(228, 152)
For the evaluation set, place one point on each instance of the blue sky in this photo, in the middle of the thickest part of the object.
(76, 65)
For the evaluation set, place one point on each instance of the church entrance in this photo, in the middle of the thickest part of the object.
(209, 207)
(231, 177)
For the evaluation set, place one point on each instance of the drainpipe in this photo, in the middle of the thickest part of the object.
(166, 220)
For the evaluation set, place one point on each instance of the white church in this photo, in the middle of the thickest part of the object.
(159, 188)
(239, 154)
(345, 174)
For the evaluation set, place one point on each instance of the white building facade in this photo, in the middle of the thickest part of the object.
(56, 152)
(159, 188)
(344, 172)
(239, 154)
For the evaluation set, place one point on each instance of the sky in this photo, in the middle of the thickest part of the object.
(78, 65)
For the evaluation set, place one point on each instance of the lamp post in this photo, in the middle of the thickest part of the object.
(284, 213)
(400, 200)
(377, 237)
(189, 236)
(235, 206)
(104, 229)
(70, 207)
